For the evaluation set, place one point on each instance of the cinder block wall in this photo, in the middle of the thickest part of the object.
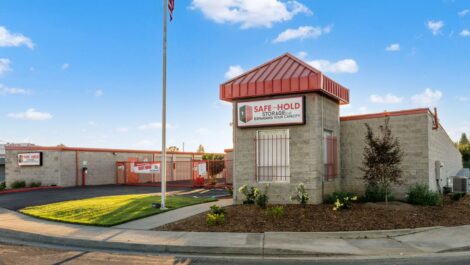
(415, 135)
(306, 161)
(60, 166)
(442, 148)
(47, 174)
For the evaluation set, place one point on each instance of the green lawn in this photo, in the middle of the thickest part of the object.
(109, 210)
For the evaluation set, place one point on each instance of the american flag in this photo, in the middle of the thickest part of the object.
(171, 7)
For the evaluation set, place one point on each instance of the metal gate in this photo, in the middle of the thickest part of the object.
(196, 173)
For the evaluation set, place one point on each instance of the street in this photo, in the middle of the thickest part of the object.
(15, 254)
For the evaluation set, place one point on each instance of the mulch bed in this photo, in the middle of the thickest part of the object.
(321, 218)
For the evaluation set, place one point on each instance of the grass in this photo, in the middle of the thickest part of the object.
(109, 210)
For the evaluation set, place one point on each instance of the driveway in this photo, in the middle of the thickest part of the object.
(16, 201)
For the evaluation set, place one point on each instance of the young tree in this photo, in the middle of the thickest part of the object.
(464, 139)
(382, 159)
(173, 149)
(464, 148)
(200, 149)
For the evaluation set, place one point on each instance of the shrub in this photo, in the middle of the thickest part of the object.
(276, 211)
(18, 184)
(457, 196)
(261, 199)
(217, 209)
(3, 186)
(337, 195)
(215, 219)
(249, 194)
(35, 184)
(301, 196)
(345, 202)
(376, 193)
(420, 194)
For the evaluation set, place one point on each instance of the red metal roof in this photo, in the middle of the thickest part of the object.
(284, 75)
(386, 114)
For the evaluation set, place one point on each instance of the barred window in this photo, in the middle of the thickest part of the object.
(272, 156)
(330, 155)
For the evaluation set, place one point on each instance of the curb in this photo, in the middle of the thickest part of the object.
(9, 191)
(127, 246)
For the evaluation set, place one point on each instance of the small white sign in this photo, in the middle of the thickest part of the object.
(30, 159)
(202, 169)
(281, 111)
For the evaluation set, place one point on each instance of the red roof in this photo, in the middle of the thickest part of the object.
(386, 114)
(284, 75)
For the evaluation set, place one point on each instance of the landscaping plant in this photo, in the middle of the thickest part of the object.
(3, 186)
(215, 219)
(420, 194)
(261, 199)
(248, 193)
(457, 196)
(375, 193)
(301, 196)
(338, 195)
(217, 209)
(276, 211)
(18, 184)
(382, 159)
(35, 184)
(345, 202)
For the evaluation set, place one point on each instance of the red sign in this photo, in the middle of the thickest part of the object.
(146, 167)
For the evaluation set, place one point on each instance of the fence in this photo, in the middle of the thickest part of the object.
(195, 173)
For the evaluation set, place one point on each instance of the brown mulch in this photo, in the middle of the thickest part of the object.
(316, 218)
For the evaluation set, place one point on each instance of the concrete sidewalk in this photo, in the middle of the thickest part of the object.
(172, 216)
(17, 227)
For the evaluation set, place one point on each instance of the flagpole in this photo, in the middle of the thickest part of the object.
(163, 174)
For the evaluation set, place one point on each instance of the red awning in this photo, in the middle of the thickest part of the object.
(284, 75)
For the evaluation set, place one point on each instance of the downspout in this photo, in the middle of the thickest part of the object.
(76, 167)
(322, 145)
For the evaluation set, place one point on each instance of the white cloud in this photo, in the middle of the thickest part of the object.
(154, 126)
(99, 93)
(465, 33)
(249, 13)
(4, 66)
(393, 47)
(363, 110)
(303, 32)
(435, 26)
(343, 66)
(65, 66)
(464, 12)
(8, 39)
(463, 99)
(302, 55)
(427, 98)
(234, 71)
(387, 99)
(4, 90)
(30, 114)
(122, 130)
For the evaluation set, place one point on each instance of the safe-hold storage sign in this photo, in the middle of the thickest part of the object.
(146, 167)
(282, 111)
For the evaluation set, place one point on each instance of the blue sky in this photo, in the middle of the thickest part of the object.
(88, 73)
